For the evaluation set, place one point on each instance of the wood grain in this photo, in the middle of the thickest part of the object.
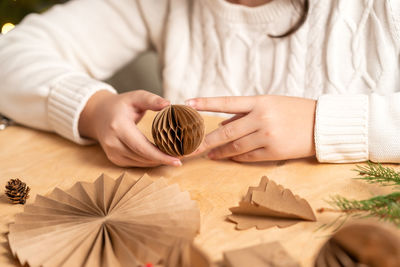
(45, 161)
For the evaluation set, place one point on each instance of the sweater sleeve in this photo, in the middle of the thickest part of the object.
(51, 64)
(358, 128)
(354, 128)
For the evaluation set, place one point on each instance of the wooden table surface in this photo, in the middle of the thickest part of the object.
(45, 161)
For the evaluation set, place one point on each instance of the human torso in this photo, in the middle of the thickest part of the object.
(224, 49)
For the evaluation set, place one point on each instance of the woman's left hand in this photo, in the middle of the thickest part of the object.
(264, 127)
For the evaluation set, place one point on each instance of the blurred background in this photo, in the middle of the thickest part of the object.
(142, 73)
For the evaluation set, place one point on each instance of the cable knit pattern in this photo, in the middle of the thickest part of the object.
(317, 21)
(345, 55)
(297, 63)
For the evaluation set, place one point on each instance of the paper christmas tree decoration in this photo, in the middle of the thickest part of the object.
(178, 130)
(361, 244)
(269, 205)
(123, 222)
(264, 255)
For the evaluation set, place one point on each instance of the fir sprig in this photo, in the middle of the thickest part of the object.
(385, 207)
(376, 173)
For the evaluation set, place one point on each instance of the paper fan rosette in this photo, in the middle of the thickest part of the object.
(123, 222)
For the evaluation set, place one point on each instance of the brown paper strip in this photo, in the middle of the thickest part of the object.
(269, 205)
(120, 222)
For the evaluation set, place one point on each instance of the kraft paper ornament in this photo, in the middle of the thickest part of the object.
(361, 244)
(186, 254)
(269, 205)
(123, 222)
(178, 130)
(264, 255)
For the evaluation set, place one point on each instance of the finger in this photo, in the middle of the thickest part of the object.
(118, 152)
(146, 100)
(228, 133)
(136, 163)
(236, 117)
(240, 146)
(129, 154)
(225, 104)
(139, 145)
(259, 154)
(128, 162)
(131, 159)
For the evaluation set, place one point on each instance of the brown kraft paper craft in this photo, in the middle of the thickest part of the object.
(269, 205)
(361, 244)
(178, 130)
(186, 254)
(263, 255)
(123, 222)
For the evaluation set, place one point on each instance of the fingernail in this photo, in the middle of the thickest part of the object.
(165, 103)
(177, 163)
(211, 155)
(190, 102)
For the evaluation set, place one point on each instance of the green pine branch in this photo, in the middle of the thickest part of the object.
(385, 207)
(376, 173)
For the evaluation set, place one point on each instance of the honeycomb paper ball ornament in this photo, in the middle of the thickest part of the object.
(178, 130)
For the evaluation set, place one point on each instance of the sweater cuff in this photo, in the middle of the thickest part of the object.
(68, 97)
(341, 128)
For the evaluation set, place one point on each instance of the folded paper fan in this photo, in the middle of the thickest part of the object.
(178, 130)
(123, 222)
(186, 254)
(269, 205)
(361, 244)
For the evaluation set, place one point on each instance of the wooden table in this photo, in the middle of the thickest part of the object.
(45, 161)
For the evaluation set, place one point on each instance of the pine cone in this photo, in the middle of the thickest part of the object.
(17, 191)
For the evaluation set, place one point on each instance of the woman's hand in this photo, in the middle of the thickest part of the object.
(111, 119)
(263, 128)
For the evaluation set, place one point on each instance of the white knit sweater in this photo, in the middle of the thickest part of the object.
(346, 56)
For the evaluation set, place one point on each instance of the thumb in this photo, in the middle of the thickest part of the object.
(148, 101)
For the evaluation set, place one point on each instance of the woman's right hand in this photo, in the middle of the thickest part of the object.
(111, 120)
